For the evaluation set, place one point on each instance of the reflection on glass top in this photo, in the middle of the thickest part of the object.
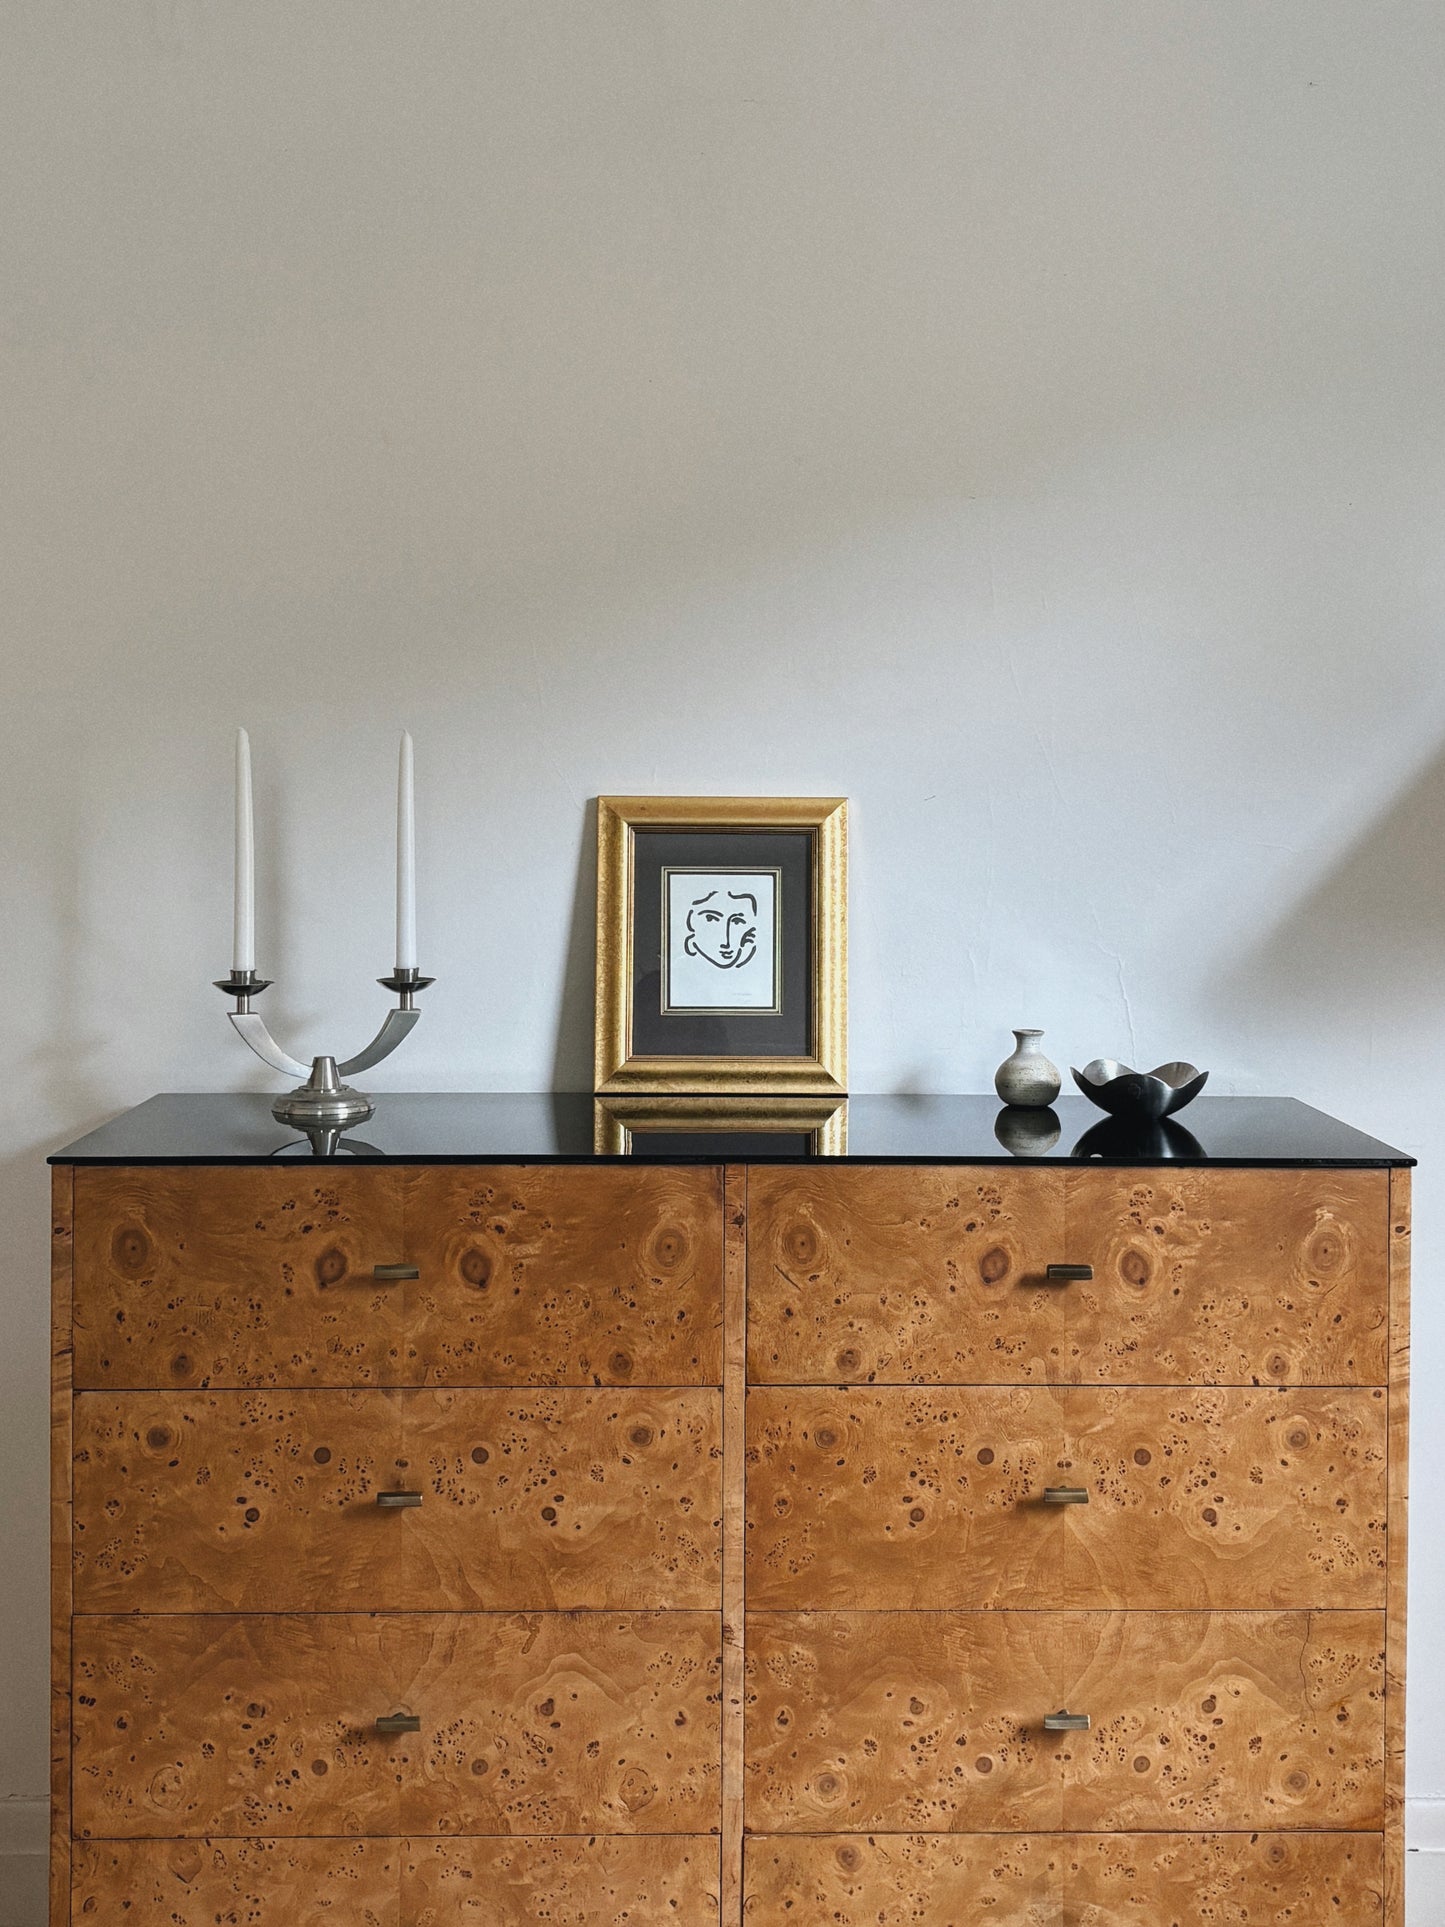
(572, 1127)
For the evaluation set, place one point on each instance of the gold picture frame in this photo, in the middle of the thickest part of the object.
(627, 1064)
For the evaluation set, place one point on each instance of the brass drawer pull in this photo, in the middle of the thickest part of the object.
(1068, 1274)
(394, 1501)
(1063, 1722)
(389, 1274)
(1066, 1495)
(398, 1723)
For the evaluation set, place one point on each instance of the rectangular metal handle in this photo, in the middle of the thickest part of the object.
(1068, 1274)
(1066, 1723)
(394, 1501)
(398, 1723)
(1066, 1495)
(389, 1274)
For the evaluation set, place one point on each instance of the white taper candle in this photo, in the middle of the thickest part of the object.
(405, 858)
(244, 945)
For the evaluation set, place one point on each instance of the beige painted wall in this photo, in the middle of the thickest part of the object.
(1023, 418)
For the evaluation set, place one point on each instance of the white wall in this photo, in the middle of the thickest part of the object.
(1024, 419)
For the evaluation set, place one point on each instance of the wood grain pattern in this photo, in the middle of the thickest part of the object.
(258, 1278)
(1227, 1499)
(578, 1882)
(62, 1249)
(933, 1721)
(863, 1273)
(198, 1276)
(606, 1275)
(1236, 1277)
(566, 1383)
(266, 1501)
(531, 1723)
(1067, 1880)
(261, 1883)
(1399, 1490)
(734, 1739)
(598, 1882)
(897, 1274)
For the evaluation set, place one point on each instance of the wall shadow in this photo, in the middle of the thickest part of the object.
(1371, 932)
(572, 1050)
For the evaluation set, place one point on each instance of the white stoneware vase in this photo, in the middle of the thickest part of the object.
(1026, 1077)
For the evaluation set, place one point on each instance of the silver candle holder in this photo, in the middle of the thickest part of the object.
(323, 1100)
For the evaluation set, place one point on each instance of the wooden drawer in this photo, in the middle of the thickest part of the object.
(902, 1273)
(267, 1501)
(936, 1274)
(1068, 1880)
(566, 1276)
(530, 1723)
(932, 1722)
(218, 1277)
(576, 1882)
(886, 1497)
(201, 1275)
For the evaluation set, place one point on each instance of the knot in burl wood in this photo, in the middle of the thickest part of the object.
(1134, 1268)
(800, 1241)
(669, 1247)
(130, 1249)
(848, 1360)
(1326, 1249)
(637, 1790)
(993, 1266)
(330, 1267)
(640, 1435)
(620, 1365)
(849, 1858)
(476, 1268)
(826, 1437)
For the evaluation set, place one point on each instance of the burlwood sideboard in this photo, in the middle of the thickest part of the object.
(476, 1529)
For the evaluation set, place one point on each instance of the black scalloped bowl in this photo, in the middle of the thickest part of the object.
(1142, 1095)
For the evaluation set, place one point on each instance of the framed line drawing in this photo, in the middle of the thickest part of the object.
(722, 945)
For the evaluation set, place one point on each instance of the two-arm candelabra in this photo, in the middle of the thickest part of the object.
(323, 1100)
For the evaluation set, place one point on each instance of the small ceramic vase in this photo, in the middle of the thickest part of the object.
(1027, 1078)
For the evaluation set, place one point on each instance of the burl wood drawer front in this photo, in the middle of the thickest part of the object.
(923, 1272)
(1223, 1499)
(530, 1723)
(217, 1277)
(1068, 1880)
(932, 1274)
(578, 1882)
(933, 1722)
(269, 1501)
(566, 1276)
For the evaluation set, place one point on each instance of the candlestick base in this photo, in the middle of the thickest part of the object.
(323, 1101)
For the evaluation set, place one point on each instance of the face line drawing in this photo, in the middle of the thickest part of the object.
(721, 931)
